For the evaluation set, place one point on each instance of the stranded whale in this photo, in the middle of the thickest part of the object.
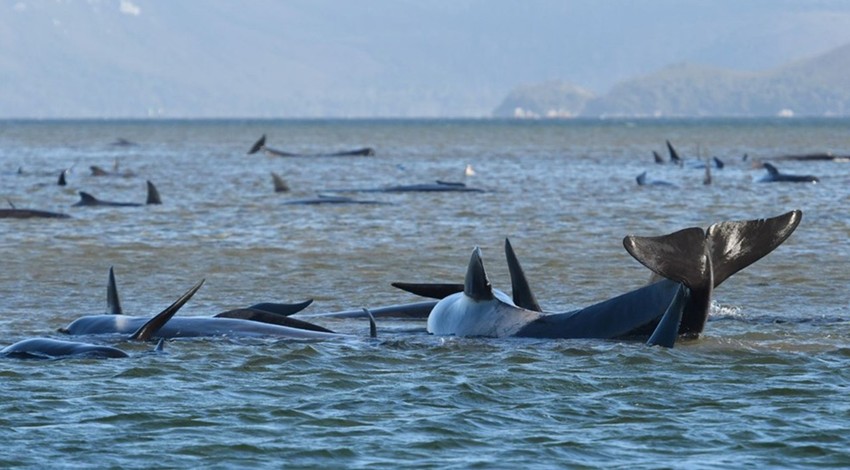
(691, 262)
(264, 319)
(87, 200)
(261, 145)
(49, 348)
(774, 176)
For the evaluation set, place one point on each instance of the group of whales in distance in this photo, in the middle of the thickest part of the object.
(688, 265)
(773, 174)
(260, 145)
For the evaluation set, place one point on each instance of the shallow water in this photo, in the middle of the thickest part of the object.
(766, 385)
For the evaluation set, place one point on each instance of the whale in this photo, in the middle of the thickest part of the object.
(265, 312)
(260, 320)
(687, 265)
(87, 200)
(325, 199)
(50, 348)
(643, 181)
(15, 213)
(437, 186)
(483, 311)
(775, 176)
(260, 145)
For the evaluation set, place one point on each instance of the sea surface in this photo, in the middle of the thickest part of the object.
(767, 385)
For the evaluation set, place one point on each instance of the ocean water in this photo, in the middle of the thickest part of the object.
(766, 385)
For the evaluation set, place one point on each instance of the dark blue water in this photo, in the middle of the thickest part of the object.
(767, 384)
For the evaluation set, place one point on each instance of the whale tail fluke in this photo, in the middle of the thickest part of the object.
(258, 145)
(680, 256)
(153, 194)
(152, 326)
(520, 290)
(703, 260)
(735, 245)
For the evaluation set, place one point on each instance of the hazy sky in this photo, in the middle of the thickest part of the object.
(315, 58)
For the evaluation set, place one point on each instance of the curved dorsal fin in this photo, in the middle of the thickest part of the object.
(657, 157)
(62, 181)
(772, 170)
(113, 304)
(520, 290)
(476, 285)
(674, 155)
(153, 194)
(280, 185)
(87, 199)
(146, 331)
(258, 145)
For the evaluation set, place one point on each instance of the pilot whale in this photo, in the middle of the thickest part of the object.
(87, 200)
(273, 314)
(49, 348)
(14, 213)
(482, 311)
(688, 265)
(775, 176)
(260, 320)
(260, 144)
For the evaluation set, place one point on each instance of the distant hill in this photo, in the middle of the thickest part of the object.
(819, 86)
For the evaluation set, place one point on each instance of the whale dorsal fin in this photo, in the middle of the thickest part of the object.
(62, 181)
(476, 285)
(98, 171)
(658, 158)
(520, 290)
(641, 179)
(153, 194)
(146, 331)
(113, 304)
(11, 204)
(280, 185)
(772, 170)
(738, 244)
(674, 155)
(680, 256)
(258, 145)
(87, 199)
(432, 291)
